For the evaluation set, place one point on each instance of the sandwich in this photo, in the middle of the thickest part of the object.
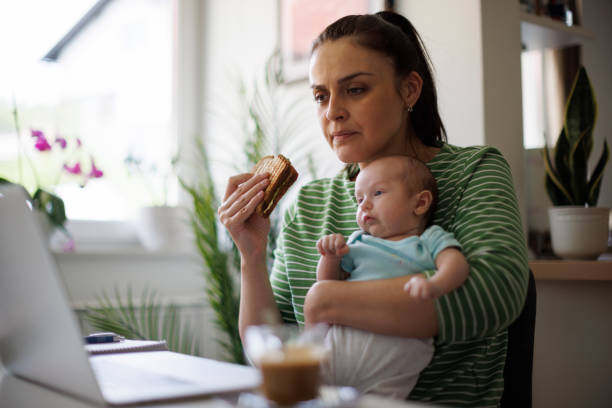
(282, 176)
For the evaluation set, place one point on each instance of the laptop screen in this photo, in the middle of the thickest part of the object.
(40, 338)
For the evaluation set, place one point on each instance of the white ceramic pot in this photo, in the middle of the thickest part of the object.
(164, 228)
(579, 232)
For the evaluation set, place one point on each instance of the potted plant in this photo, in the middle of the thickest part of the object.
(159, 225)
(52, 162)
(579, 229)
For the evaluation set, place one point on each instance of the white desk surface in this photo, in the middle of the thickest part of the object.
(18, 393)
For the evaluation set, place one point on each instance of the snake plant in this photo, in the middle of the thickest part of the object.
(567, 181)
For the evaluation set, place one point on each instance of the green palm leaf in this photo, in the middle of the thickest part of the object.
(141, 321)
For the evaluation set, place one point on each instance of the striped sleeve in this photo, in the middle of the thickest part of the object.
(278, 276)
(487, 223)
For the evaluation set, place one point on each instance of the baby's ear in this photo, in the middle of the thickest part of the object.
(423, 202)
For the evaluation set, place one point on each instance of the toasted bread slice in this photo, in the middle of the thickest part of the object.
(282, 176)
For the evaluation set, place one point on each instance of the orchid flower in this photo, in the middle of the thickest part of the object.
(41, 141)
(95, 172)
(61, 141)
(69, 246)
(76, 169)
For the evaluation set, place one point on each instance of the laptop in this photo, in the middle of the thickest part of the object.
(40, 340)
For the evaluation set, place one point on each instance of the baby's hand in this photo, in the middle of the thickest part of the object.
(332, 245)
(420, 288)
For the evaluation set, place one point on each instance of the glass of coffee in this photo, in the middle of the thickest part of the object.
(289, 361)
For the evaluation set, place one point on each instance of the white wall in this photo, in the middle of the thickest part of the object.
(451, 31)
(597, 59)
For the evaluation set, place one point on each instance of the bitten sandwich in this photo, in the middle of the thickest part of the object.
(282, 176)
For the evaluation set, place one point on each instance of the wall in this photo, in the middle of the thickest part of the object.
(451, 32)
(597, 59)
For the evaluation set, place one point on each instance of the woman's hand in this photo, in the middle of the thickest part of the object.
(237, 213)
(249, 231)
(420, 288)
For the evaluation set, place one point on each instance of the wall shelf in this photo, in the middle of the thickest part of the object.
(567, 270)
(539, 32)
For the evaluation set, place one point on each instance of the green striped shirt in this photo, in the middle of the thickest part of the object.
(477, 203)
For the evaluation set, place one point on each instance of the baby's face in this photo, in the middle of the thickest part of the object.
(386, 206)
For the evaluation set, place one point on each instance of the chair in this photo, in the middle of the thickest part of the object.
(519, 357)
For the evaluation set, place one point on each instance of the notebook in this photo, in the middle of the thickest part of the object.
(126, 346)
(40, 339)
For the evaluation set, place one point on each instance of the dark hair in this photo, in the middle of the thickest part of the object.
(421, 178)
(394, 36)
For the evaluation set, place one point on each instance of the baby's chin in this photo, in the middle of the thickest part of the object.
(374, 231)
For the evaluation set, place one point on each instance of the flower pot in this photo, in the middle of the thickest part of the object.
(579, 232)
(164, 228)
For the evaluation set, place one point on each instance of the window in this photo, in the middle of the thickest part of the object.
(106, 80)
(547, 76)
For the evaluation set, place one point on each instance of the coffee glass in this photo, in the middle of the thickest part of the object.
(289, 360)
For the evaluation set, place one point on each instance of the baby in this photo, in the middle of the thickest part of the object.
(396, 196)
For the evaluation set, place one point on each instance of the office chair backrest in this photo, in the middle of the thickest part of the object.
(519, 357)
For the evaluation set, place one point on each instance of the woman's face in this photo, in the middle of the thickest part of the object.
(360, 109)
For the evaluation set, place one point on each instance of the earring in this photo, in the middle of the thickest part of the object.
(409, 108)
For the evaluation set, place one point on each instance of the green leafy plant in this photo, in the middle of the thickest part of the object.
(567, 182)
(221, 289)
(147, 320)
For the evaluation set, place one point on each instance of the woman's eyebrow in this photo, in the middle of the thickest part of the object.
(344, 79)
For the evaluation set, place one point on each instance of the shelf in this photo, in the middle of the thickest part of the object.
(566, 270)
(539, 32)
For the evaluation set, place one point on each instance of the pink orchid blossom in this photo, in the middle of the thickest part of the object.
(95, 172)
(37, 133)
(42, 144)
(76, 169)
(41, 141)
(78, 142)
(61, 141)
(69, 246)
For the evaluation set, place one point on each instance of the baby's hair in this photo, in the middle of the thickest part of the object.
(419, 177)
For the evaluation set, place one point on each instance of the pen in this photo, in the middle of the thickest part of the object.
(105, 337)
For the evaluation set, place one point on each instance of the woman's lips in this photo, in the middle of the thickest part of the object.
(343, 135)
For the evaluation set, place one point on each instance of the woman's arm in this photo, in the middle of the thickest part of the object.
(487, 223)
(380, 306)
(250, 234)
(452, 270)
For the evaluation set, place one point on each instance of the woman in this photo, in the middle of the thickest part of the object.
(376, 97)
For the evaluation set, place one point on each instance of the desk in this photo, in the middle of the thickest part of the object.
(572, 355)
(564, 270)
(18, 393)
